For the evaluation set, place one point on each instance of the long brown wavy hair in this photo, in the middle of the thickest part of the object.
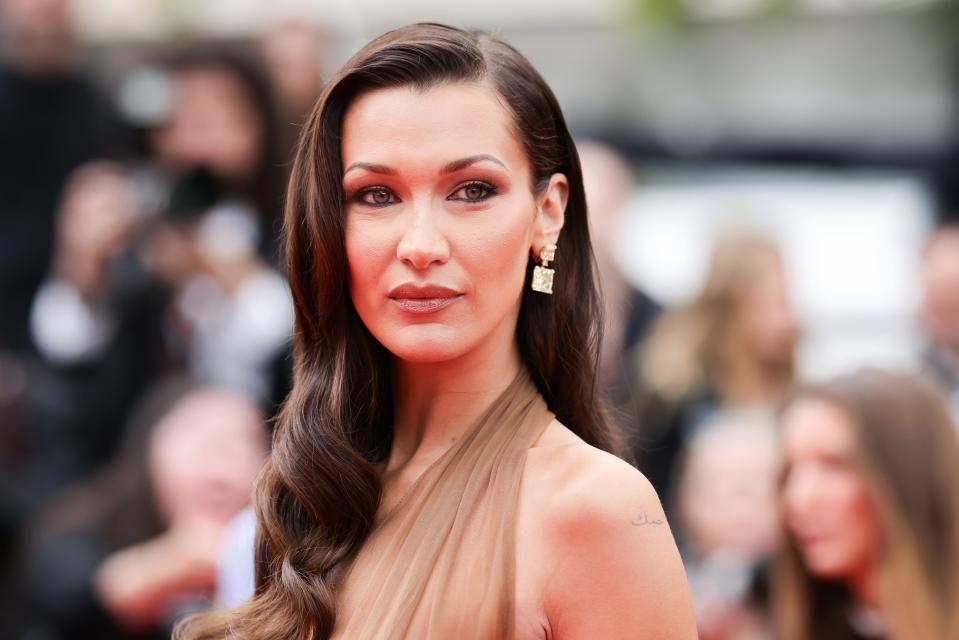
(317, 495)
(704, 342)
(907, 455)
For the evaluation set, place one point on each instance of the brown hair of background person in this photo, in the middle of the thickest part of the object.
(732, 346)
(710, 336)
(317, 497)
(905, 454)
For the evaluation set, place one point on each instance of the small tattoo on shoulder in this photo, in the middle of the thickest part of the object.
(643, 520)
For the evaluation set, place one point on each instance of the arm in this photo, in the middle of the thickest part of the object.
(616, 571)
(136, 584)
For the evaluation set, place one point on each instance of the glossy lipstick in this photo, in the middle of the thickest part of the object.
(422, 299)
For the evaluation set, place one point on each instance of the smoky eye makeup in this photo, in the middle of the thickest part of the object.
(376, 195)
(473, 191)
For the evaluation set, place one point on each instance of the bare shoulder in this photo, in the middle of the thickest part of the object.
(577, 484)
(610, 567)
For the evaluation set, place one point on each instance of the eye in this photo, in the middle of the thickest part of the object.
(375, 196)
(474, 192)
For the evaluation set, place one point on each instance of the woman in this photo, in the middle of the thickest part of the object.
(732, 347)
(222, 122)
(400, 500)
(216, 244)
(731, 461)
(126, 553)
(869, 501)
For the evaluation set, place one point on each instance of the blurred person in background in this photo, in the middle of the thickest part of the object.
(207, 241)
(122, 555)
(52, 119)
(216, 247)
(222, 121)
(940, 274)
(96, 329)
(731, 347)
(727, 510)
(136, 289)
(628, 312)
(231, 314)
(869, 497)
(294, 53)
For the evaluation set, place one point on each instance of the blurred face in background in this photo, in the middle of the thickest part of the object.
(37, 33)
(213, 125)
(293, 53)
(940, 270)
(607, 179)
(824, 501)
(36, 18)
(765, 314)
(727, 494)
(439, 194)
(204, 456)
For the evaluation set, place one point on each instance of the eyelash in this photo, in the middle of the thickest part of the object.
(490, 191)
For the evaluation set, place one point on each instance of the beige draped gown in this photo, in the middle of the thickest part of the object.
(441, 564)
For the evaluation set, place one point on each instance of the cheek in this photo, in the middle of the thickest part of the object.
(494, 257)
(842, 518)
(370, 248)
(856, 522)
(170, 482)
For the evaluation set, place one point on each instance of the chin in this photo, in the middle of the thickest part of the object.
(828, 568)
(424, 344)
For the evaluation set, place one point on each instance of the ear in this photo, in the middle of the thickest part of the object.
(550, 212)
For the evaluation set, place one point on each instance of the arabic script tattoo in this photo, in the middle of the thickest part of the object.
(643, 520)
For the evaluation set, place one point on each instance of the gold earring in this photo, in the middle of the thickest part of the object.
(542, 274)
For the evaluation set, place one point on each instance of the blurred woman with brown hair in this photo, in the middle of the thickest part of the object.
(870, 504)
(732, 346)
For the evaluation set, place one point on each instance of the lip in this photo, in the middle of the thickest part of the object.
(812, 541)
(423, 298)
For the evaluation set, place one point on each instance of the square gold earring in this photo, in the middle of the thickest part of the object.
(542, 274)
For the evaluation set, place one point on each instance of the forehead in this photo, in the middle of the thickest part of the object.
(815, 425)
(409, 128)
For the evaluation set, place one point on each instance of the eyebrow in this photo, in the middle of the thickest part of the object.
(451, 167)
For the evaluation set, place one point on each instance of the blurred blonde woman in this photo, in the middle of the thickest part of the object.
(731, 347)
(870, 506)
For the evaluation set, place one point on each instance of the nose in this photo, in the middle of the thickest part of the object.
(423, 243)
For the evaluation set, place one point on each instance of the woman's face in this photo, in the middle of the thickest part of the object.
(825, 504)
(204, 455)
(213, 125)
(766, 314)
(440, 218)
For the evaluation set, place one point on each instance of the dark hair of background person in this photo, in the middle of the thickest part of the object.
(62, 546)
(265, 188)
(318, 494)
(908, 457)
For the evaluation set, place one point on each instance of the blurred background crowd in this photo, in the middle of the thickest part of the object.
(773, 188)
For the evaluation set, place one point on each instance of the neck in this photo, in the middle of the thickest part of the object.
(749, 380)
(435, 403)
